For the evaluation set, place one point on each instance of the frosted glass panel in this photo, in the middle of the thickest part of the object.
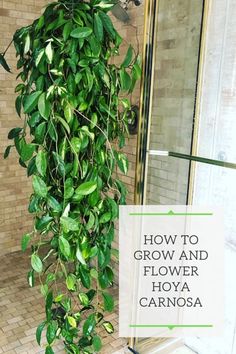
(216, 186)
(217, 134)
(175, 77)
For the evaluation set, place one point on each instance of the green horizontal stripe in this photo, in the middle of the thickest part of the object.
(170, 326)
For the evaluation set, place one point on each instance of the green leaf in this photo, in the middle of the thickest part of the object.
(97, 343)
(108, 327)
(44, 289)
(49, 52)
(27, 44)
(137, 71)
(31, 168)
(91, 221)
(101, 258)
(67, 30)
(39, 331)
(18, 104)
(69, 224)
(36, 263)
(89, 325)
(27, 152)
(114, 208)
(91, 294)
(105, 218)
(51, 332)
(93, 251)
(49, 302)
(25, 241)
(68, 112)
(79, 256)
(34, 119)
(20, 87)
(39, 57)
(30, 278)
(122, 162)
(107, 23)
(40, 23)
(105, 278)
(4, 63)
(49, 350)
(81, 32)
(72, 321)
(104, 5)
(125, 80)
(128, 57)
(42, 222)
(40, 187)
(70, 282)
(64, 123)
(64, 246)
(41, 162)
(54, 204)
(7, 151)
(108, 302)
(21, 162)
(94, 120)
(19, 142)
(83, 299)
(52, 131)
(44, 106)
(85, 276)
(86, 188)
(68, 188)
(83, 106)
(59, 298)
(98, 27)
(30, 101)
(40, 133)
(76, 144)
(60, 164)
(13, 133)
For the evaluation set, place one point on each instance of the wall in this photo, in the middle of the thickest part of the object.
(15, 187)
(132, 33)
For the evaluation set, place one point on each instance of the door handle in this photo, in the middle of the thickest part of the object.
(192, 158)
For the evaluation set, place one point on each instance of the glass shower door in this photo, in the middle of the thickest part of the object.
(189, 155)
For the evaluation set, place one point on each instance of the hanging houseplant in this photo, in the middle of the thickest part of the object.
(73, 118)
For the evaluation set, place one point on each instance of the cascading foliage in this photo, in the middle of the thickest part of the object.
(73, 117)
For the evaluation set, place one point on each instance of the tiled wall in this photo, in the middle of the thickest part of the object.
(132, 33)
(15, 187)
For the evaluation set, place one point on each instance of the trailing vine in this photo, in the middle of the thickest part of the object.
(73, 117)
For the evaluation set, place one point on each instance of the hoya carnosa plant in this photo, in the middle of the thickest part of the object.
(74, 123)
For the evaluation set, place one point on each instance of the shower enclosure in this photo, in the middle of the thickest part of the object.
(187, 136)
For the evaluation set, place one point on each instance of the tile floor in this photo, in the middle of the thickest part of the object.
(22, 309)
